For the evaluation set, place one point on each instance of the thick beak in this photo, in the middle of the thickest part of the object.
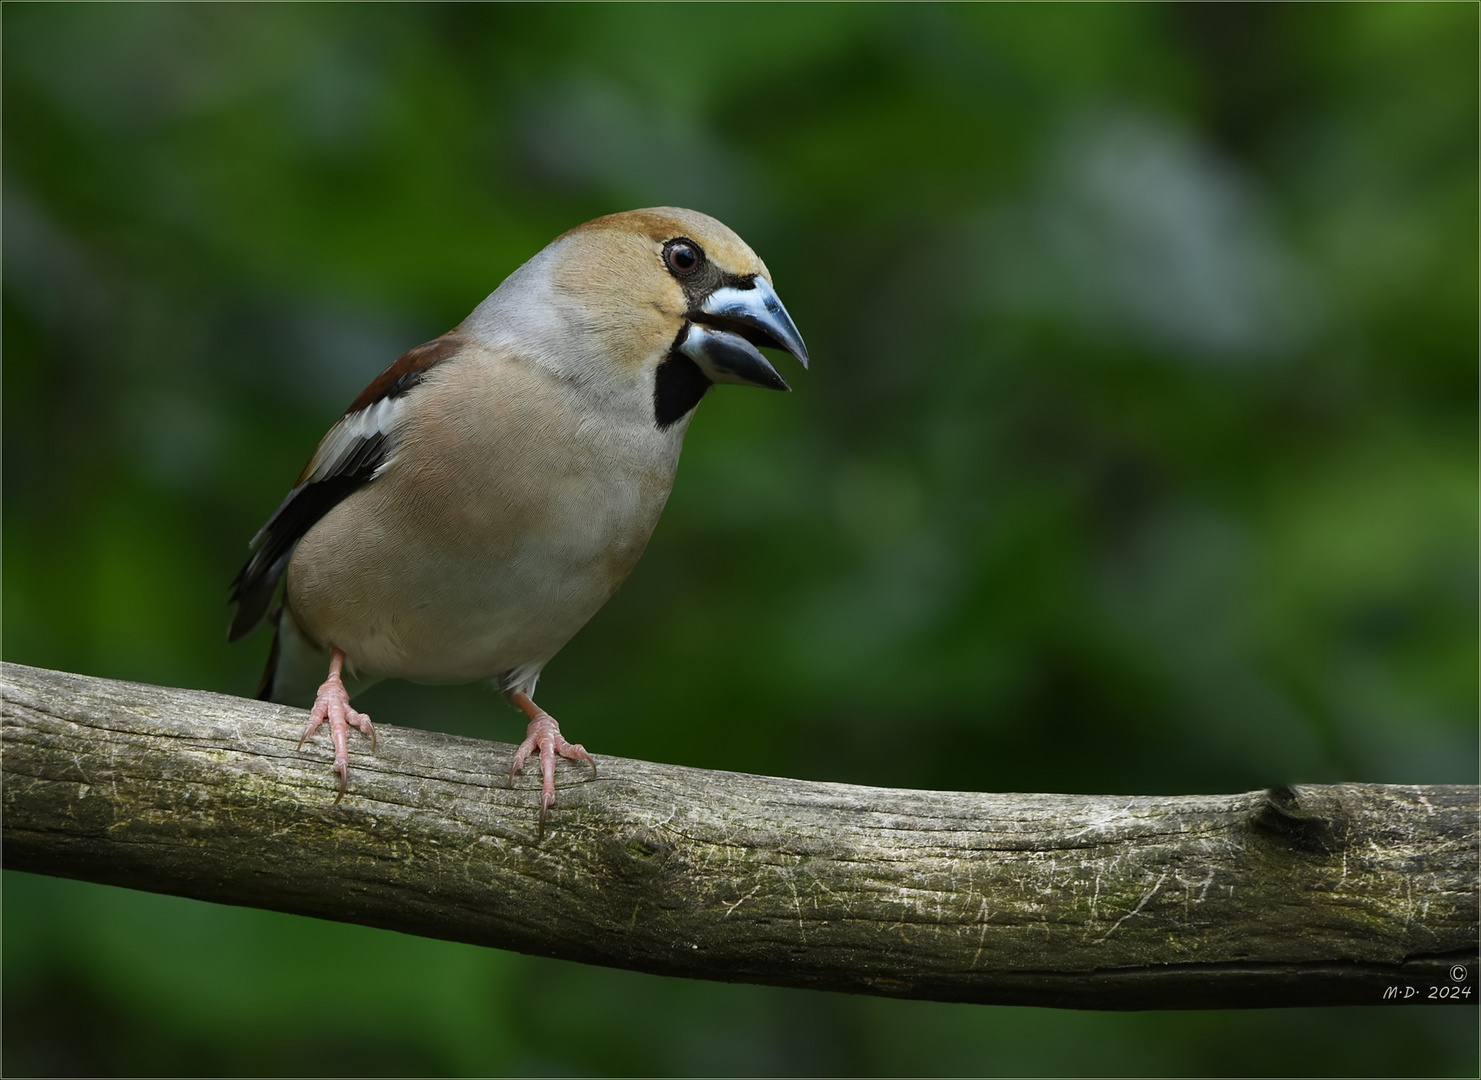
(724, 332)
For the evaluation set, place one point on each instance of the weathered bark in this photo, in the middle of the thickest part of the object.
(1304, 896)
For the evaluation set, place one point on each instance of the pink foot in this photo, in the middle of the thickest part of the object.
(332, 703)
(544, 734)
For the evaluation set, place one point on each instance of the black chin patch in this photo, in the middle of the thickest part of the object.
(678, 384)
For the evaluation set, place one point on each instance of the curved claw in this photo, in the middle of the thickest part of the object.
(545, 801)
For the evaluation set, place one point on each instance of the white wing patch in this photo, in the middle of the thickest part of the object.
(348, 439)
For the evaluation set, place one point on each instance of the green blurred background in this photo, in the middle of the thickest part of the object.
(1139, 455)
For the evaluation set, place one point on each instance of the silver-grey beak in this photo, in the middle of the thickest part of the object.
(726, 330)
(726, 357)
(757, 308)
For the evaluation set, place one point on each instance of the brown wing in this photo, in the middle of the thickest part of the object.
(350, 455)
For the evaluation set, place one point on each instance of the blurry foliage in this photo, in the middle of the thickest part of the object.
(1138, 454)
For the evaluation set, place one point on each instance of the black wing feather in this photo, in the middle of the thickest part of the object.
(253, 588)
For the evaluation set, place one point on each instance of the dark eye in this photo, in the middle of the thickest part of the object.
(683, 256)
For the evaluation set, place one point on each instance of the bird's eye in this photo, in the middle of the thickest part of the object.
(682, 256)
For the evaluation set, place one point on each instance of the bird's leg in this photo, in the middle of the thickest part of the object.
(543, 734)
(332, 703)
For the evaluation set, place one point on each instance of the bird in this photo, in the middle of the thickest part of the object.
(489, 491)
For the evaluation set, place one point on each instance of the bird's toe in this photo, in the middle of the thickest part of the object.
(332, 707)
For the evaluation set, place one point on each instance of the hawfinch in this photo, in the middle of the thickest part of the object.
(491, 489)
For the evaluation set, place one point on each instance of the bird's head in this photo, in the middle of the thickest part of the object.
(663, 302)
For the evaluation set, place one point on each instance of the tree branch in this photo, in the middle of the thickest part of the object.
(1304, 896)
